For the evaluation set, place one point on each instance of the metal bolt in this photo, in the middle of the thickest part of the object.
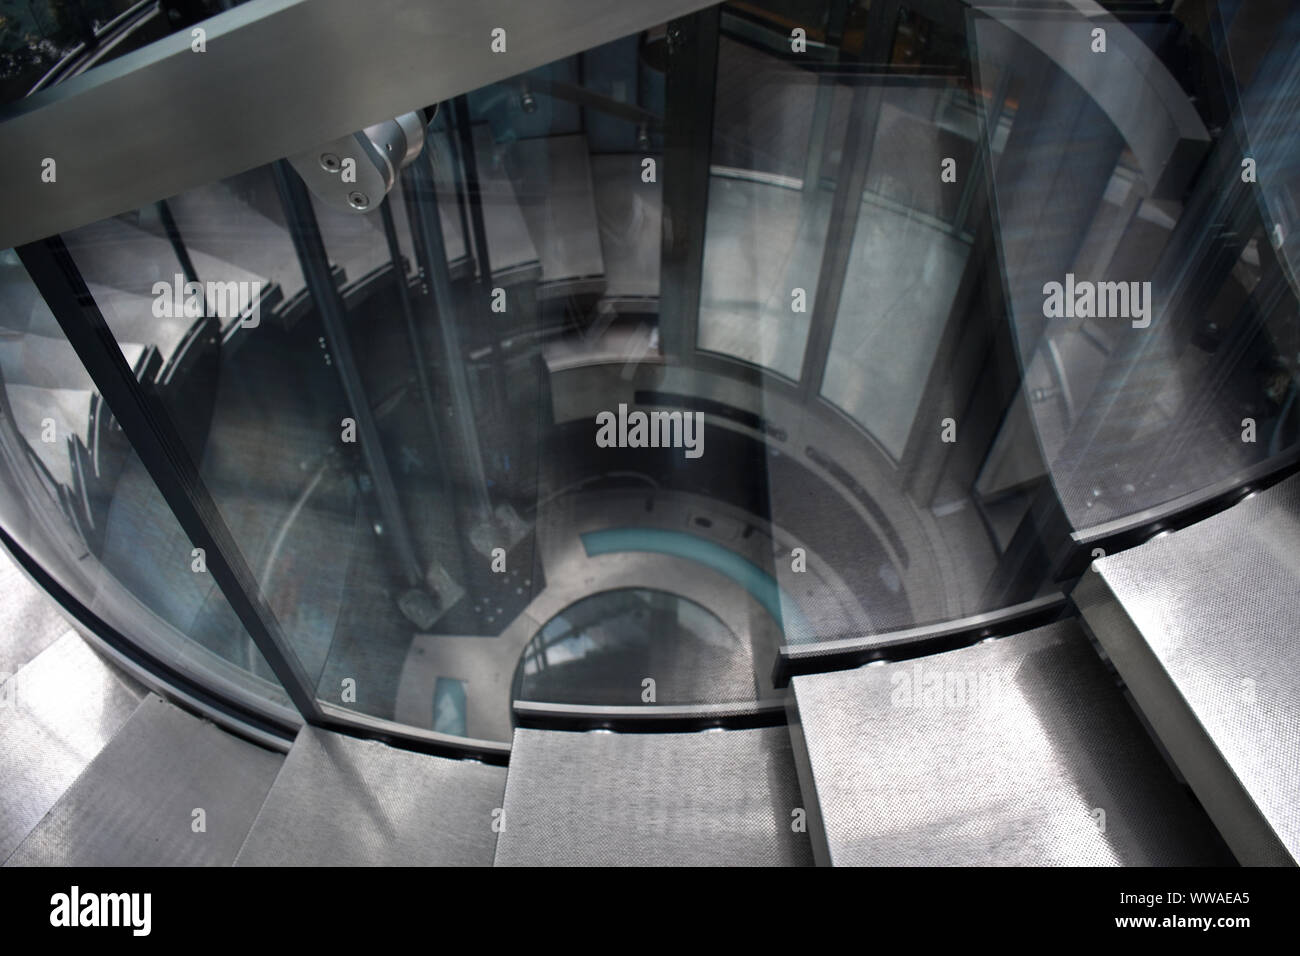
(330, 163)
(359, 200)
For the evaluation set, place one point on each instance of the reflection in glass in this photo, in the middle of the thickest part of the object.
(836, 258)
(599, 651)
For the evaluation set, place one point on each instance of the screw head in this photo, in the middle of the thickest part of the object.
(330, 163)
(358, 199)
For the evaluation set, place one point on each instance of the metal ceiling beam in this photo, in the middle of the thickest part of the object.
(277, 77)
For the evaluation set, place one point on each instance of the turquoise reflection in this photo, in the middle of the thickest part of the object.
(680, 544)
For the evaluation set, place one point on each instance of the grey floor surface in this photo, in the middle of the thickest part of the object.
(169, 789)
(1019, 751)
(59, 712)
(29, 620)
(340, 801)
(714, 798)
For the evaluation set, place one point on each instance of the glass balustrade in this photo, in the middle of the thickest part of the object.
(779, 324)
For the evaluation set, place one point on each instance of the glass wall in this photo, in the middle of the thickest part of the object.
(776, 324)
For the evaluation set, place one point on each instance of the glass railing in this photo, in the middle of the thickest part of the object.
(777, 324)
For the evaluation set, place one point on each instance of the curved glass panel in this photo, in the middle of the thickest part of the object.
(79, 501)
(708, 340)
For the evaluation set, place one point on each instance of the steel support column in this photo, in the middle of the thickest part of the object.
(329, 306)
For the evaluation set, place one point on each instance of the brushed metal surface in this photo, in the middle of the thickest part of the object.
(278, 76)
(513, 256)
(1202, 625)
(135, 803)
(60, 711)
(715, 798)
(341, 801)
(1017, 751)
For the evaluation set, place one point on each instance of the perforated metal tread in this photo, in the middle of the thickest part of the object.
(716, 798)
(59, 711)
(1203, 626)
(340, 801)
(138, 801)
(1019, 751)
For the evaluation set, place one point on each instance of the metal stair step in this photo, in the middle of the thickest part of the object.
(552, 182)
(46, 362)
(356, 241)
(41, 362)
(1017, 751)
(130, 318)
(60, 710)
(30, 621)
(22, 310)
(116, 253)
(222, 220)
(169, 789)
(1201, 625)
(340, 801)
(715, 798)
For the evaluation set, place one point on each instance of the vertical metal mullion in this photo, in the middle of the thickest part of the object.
(163, 454)
(840, 231)
(690, 89)
(408, 316)
(482, 253)
(418, 183)
(329, 306)
(460, 122)
(859, 143)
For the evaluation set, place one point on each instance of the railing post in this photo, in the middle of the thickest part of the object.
(163, 454)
